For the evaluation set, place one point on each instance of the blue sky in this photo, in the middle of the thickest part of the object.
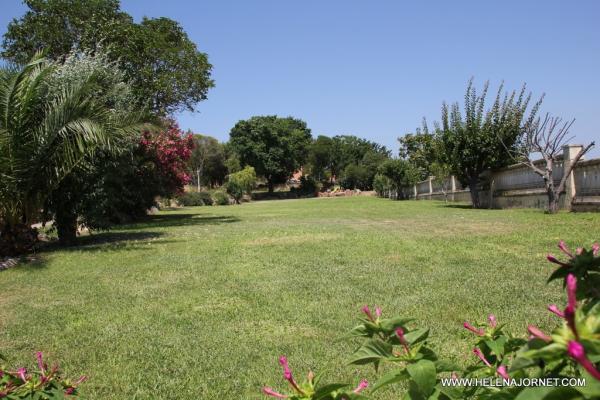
(374, 69)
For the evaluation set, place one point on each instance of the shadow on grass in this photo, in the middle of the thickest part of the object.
(174, 220)
(106, 241)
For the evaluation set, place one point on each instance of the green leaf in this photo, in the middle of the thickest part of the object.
(326, 390)
(372, 350)
(445, 366)
(393, 376)
(424, 375)
(390, 325)
(418, 335)
(497, 346)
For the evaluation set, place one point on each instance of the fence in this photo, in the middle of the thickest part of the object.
(519, 186)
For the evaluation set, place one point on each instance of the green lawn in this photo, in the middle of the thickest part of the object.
(200, 302)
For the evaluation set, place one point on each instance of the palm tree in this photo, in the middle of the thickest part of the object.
(44, 135)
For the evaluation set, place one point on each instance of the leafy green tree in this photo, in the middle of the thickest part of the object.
(240, 183)
(349, 149)
(419, 149)
(478, 141)
(164, 66)
(397, 174)
(275, 147)
(207, 163)
(320, 157)
(44, 135)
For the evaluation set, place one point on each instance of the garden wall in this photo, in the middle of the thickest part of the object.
(518, 186)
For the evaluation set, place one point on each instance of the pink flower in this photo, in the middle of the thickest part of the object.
(361, 386)
(70, 391)
(577, 352)
(454, 375)
(555, 260)
(40, 362)
(579, 251)
(270, 392)
(378, 311)
(492, 320)
(537, 333)
(81, 379)
(287, 374)
(402, 339)
(479, 332)
(501, 370)
(479, 354)
(563, 247)
(572, 302)
(22, 374)
(595, 248)
(366, 310)
(554, 309)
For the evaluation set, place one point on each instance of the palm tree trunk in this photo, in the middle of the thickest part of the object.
(66, 226)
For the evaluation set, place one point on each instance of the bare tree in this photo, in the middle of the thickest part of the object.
(547, 137)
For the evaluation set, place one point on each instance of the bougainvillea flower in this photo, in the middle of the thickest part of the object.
(366, 310)
(270, 392)
(479, 332)
(501, 370)
(563, 247)
(287, 374)
(537, 333)
(361, 386)
(577, 352)
(479, 354)
(553, 308)
(492, 320)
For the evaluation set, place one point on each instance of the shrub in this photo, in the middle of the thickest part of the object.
(308, 187)
(220, 198)
(46, 383)
(572, 350)
(191, 199)
(240, 183)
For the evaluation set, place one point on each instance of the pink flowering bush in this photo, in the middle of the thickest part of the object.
(571, 350)
(44, 384)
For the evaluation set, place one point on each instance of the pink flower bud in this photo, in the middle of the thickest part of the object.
(366, 310)
(378, 312)
(22, 373)
(287, 374)
(479, 354)
(577, 352)
(554, 309)
(40, 362)
(501, 370)
(402, 339)
(70, 391)
(579, 251)
(361, 386)
(572, 290)
(270, 392)
(454, 375)
(479, 332)
(563, 247)
(554, 260)
(492, 320)
(595, 248)
(537, 333)
(81, 379)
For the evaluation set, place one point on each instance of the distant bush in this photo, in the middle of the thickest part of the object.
(191, 199)
(308, 187)
(220, 198)
(241, 183)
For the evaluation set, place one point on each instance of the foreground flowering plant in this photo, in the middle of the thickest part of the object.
(46, 383)
(572, 350)
(311, 390)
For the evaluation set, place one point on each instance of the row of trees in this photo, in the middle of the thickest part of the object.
(473, 140)
(85, 133)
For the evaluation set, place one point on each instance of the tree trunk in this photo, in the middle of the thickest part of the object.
(474, 191)
(66, 226)
(16, 239)
(553, 197)
(271, 186)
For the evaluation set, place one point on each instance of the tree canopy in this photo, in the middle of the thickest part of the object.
(164, 66)
(274, 146)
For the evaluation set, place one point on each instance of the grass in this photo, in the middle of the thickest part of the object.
(200, 302)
